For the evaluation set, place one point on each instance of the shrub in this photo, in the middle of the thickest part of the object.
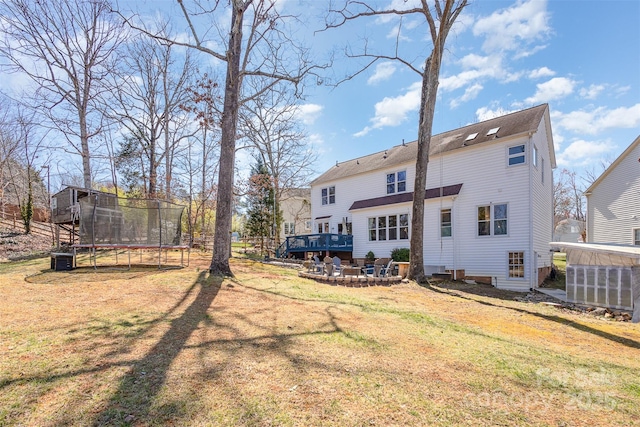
(370, 256)
(400, 254)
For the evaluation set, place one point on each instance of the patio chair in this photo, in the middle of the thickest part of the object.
(386, 271)
(379, 266)
(318, 267)
(337, 265)
(328, 265)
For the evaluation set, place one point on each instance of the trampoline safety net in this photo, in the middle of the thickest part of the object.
(109, 220)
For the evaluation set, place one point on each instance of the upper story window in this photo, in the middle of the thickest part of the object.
(397, 182)
(516, 155)
(329, 195)
(445, 223)
(496, 226)
(636, 237)
(535, 156)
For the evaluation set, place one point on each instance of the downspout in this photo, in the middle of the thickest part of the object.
(532, 254)
(453, 227)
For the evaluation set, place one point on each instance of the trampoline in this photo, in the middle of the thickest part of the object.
(113, 223)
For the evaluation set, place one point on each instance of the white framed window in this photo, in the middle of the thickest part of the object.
(323, 227)
(391, 227)
(636, 236)
(516, 265)
(445, 223)
(397, 182)
(542, 170)
(535, 156)
(517, 155)
(493, 220)
(329, 195)
(307, 224)
(289, 228)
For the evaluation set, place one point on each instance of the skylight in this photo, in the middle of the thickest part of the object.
(471, 136)
(493, 131)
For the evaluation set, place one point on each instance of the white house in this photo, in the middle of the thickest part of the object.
(488, 208)
(295, 207)
(613, 201)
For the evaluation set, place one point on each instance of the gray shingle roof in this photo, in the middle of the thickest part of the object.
(510, 124)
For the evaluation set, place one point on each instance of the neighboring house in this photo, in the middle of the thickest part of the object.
(488, 207)
(569, 230)
(295, 206)
(613, 201)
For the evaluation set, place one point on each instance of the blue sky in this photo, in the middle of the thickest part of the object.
(580, 57)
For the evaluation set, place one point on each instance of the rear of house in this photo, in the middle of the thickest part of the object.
(488, 208)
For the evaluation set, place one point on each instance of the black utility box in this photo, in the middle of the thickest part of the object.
(61, 261)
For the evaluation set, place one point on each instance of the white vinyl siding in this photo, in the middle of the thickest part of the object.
(613, 207)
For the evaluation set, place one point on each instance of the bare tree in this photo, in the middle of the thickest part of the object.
(63, 46)
(24, 178)
(440, 16)
(269, 122)
(569, 196)
(148, 93)
(267, 50)
(205, 103)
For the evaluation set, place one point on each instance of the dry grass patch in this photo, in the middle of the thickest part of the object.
(149, 347)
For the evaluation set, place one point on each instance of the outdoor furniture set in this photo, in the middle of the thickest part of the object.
(382, 267)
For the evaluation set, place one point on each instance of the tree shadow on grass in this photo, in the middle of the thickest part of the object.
(143, 382)
(564, 321)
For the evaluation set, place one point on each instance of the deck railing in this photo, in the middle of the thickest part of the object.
(316, 243)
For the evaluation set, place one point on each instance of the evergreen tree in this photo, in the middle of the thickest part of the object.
(261, 204)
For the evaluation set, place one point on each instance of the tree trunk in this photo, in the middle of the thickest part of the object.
(222, 234)
(84, 147)
(428, 102)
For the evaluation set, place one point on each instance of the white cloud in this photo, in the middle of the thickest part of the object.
(583, 153)
(309, 113)
(598, 120)
(470, 93)
(394, 111)
(541, 72)
(383, 71)
(507, 29)
(556, 88)
(592, 91)
(484, 113)
(525, 53)
(476, 67)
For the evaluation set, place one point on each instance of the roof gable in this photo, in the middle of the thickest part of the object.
(613, 165)
(508, 125)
